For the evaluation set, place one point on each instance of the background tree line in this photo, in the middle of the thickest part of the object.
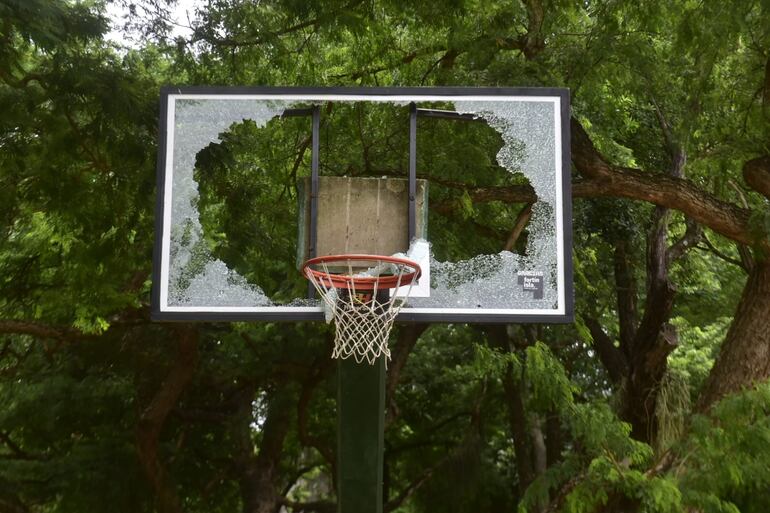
(656, 399)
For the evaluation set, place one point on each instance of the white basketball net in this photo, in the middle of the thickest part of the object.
(363, 318)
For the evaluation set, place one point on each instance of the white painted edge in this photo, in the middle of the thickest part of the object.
(165, 254)
(560, 269)
(310, 309)
(362, 97)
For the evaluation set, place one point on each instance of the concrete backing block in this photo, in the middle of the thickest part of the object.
(361, 215)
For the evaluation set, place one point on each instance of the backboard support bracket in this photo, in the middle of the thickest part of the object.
(315, 156)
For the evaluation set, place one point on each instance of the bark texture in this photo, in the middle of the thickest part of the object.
(637, 364)
(650, 346)
(661, 189)
(258, 474)
(408, 336)
(537, 441)
(744, 358)
(517, 421)
(153, 419)
(756, 172)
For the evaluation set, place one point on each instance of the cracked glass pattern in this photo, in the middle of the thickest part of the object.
(489, 281)
(196, 277)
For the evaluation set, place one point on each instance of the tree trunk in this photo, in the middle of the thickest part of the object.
(153, 418)
(744, 358)
(638, 365)
(517, 413)
(539, 451)
(625, 289)
(517, 418)
(407, 338)
(651, 344)
(259, 474)
(554, 441)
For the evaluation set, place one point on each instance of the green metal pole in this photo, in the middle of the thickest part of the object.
(360, 435)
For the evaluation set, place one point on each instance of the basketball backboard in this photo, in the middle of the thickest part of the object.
(251, 181)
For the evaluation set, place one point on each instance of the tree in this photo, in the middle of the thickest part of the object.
(672, 176)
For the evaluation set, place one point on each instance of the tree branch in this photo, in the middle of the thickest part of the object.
(414, 486)
(654, 338)
(22, 82)
(291, 481)
(660, 189)
(428, 439)
(660, 290)
(532, 42)
(17, 453)
(692, 236)
(92, 153)
(518, 227)
(425, 476)
(231, 42)
(626, 292)
(310, 507)
(407, 338)
(756, 172)
(712, 249)
(306, 394)
(515, 390)
(43, 331)
(611, 357)
(405, 59)
(153, 418)
(675, 151)
(766, 85)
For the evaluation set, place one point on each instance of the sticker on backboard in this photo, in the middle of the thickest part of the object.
(531, 281)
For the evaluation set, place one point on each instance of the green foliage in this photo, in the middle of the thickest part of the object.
(80, 362)
(81, 439)
(607, 459)
(550, 388)
(672, 409)
(725, 465)
(697, 349)
(240, 197)
(611, 461)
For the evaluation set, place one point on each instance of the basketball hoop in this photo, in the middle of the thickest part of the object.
(356, 290)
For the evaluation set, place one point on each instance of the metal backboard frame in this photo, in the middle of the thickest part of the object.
(162, 311)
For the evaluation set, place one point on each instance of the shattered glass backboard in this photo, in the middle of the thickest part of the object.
(235, 216)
